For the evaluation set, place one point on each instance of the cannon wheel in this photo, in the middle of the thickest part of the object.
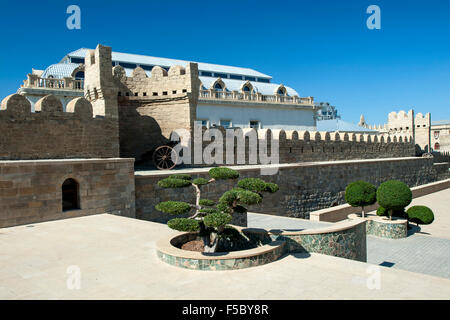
(164, 158)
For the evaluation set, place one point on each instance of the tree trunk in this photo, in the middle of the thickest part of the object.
(391, 211)
(362, 211)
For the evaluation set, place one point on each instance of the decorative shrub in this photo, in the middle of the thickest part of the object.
(200, 181)
(210, 222)
(174, 183)
(184, 224)
(206, 202)
(396, 213)
(173, 207)
(360, 194)
(394, 195)
(222, 173)
(420, 215)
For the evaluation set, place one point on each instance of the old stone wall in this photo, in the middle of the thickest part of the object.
(304, 187)
(31, 191)
(50, 133)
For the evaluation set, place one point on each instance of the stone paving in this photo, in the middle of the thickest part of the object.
(116, 257)
(425, 250)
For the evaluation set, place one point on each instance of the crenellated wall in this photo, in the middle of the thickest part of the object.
(295, 146)
(50, 133)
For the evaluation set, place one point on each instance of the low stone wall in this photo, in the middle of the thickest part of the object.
(341, 212)
(383, 227)
(304, 187)
(345, 240)
(31, 191)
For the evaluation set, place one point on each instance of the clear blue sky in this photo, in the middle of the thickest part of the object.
(320, 48)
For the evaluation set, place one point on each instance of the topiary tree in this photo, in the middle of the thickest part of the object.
(210, 219)
(420, 215)
(360, 194)
(393, 195)
(395, 213)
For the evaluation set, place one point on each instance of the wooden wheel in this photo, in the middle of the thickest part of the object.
(165, 158)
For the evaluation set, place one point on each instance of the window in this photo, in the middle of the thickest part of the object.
(436, 134)
(128, 65)
(155, 94)
(206, 74)
(203, 122)
(250, 78)
(235, 77)
(263, 80)
(281, 91)
(147, 67)
(79, 75)
(218, 87)
(255, 124)
(436, 146)
(246, 89)
(77, 60)
(164, 93)
(70, 195)
(221, 75)
(174, 92)
(225, 123)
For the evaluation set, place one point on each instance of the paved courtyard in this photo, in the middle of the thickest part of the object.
(425, 250)
(116, 259)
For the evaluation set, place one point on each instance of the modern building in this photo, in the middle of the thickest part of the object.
(326, 111)
(440, 135)
(228, 96)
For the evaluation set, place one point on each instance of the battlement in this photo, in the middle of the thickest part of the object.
(51, 133)
(300, 146)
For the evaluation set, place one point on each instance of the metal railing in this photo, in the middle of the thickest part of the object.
(247, 96)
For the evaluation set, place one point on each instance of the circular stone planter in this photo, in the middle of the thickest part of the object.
(381, 226)
(168, 252)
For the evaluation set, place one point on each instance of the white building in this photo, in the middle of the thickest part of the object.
(229, 96)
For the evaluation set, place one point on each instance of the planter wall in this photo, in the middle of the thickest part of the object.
(383, 227)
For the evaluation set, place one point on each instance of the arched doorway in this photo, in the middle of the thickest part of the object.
(436, 146)
(70, 195)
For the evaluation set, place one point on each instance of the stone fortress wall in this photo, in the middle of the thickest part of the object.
(151, 108)
(50, 133)
(416, 125)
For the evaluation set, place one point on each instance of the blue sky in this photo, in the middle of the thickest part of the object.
(320, 48)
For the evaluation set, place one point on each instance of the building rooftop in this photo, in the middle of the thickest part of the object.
(440, 122)
(166, 62)
(340, 125)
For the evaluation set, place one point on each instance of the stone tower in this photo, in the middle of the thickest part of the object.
(99, 87)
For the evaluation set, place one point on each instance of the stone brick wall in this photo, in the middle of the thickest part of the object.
(30, 191)
(304, 187)
(50, 133)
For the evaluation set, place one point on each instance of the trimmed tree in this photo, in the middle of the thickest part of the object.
(209, 218)
(360, 194)
(420, 215)
(393, 195)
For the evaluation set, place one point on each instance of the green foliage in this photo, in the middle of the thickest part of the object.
(217, 219)
(420, 215)
(182, 176)
(173, 207)
(396, 213)
(271, 187)
(173, 183)
(360, 194)
(394, 195)
(238, 195)
(207, 203)
(209, 210)
(222, 173)
(184, 224)
(252, 184)
(200, 181)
